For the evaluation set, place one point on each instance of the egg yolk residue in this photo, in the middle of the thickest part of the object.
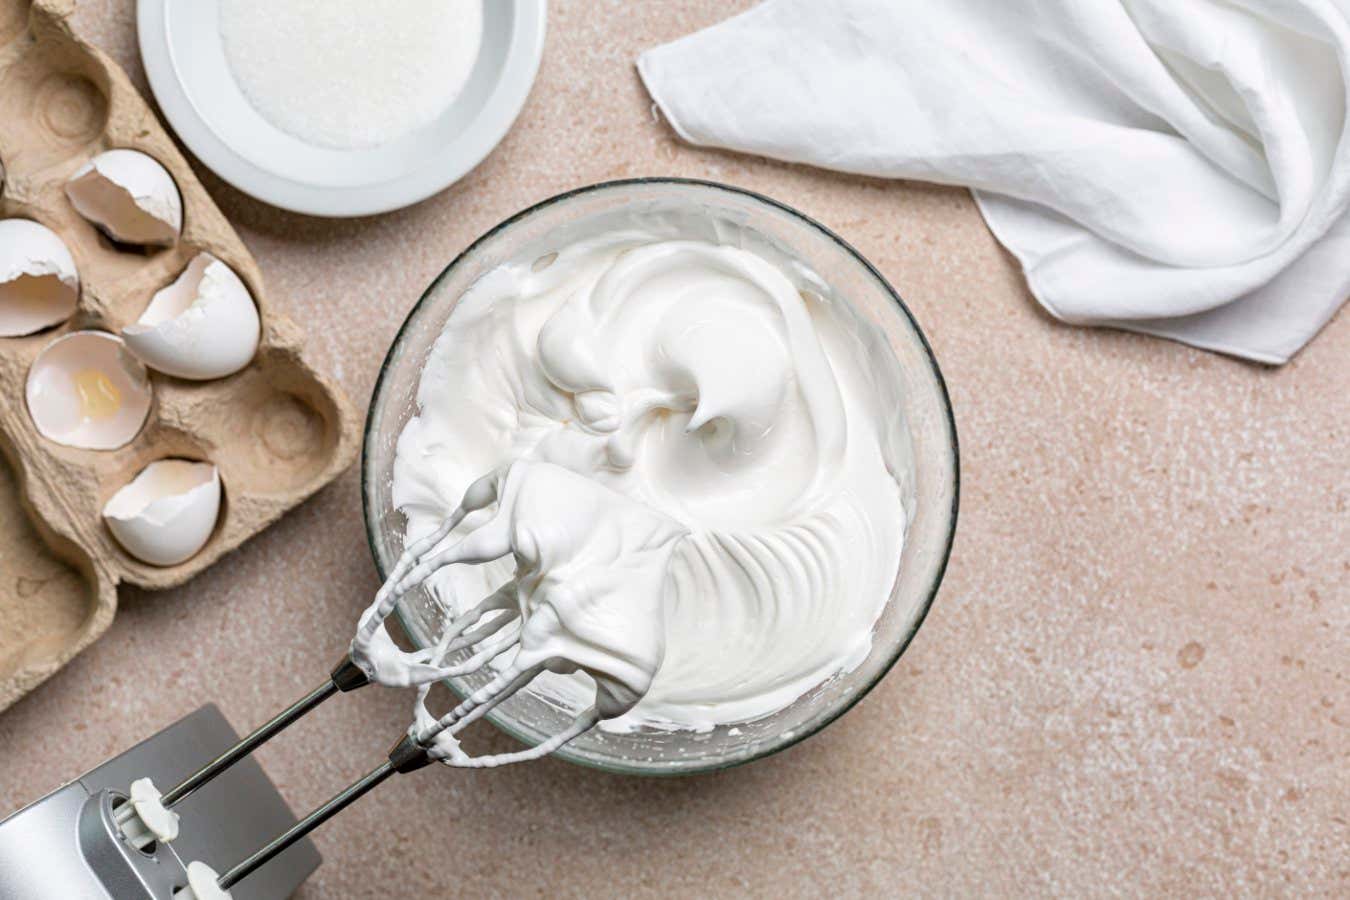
(99, 397)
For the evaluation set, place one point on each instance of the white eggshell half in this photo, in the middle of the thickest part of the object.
(38, 282)
(166, 513)
(204, 325)
(130, 196)
(79, 360)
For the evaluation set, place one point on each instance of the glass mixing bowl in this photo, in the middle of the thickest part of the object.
(920, 445)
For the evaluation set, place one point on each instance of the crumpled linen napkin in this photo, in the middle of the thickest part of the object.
(1175, 167)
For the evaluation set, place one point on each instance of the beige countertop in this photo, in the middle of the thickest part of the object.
(1134, 680)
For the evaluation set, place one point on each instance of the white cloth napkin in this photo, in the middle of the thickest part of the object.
(1176, 167)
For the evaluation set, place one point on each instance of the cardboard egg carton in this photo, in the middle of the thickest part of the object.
(277, 430)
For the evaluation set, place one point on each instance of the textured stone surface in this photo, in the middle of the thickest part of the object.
(1133, 682)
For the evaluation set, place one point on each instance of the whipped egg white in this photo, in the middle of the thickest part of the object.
(711, 386)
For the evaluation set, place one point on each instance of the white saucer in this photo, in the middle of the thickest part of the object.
(185, 61)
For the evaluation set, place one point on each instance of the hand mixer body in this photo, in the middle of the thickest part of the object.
(67, 846)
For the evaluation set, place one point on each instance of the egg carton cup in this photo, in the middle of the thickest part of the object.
(276, 430)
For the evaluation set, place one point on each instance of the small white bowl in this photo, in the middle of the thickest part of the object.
(184, 57)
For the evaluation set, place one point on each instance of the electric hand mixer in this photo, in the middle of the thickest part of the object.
(122, 824)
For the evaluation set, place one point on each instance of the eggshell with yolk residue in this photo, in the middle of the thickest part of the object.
(86, 390)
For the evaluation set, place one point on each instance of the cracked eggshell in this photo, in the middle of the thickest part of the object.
(86, 390)
(204, 325)
(39, 286)
(167, 512)
(130, 196)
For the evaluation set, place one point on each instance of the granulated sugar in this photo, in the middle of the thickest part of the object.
(351, 73)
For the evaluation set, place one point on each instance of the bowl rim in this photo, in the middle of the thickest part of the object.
(925, 606)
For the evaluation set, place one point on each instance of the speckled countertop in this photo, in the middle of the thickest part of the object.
(1134, 681)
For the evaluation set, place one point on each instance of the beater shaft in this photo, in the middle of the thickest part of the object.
(346, 676)
(405, 756)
